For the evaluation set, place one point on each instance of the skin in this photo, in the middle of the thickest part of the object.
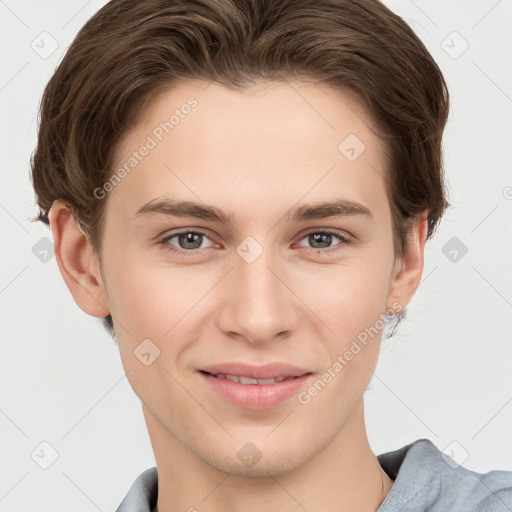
(254, 155)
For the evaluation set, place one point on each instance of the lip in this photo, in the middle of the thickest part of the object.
(256, 396)
(266, 371)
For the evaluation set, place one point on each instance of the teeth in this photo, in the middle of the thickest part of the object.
(265, 381)
(248, 380)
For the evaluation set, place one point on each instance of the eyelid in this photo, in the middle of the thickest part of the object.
(345, 238)
(331, 231)
(164, 239)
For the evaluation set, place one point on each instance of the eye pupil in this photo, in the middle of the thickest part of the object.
(190, 241)
(190, 238)
(324, 238)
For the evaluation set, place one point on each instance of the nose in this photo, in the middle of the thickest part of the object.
(259, 304)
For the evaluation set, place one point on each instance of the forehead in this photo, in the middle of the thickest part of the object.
(273, 140)
(270, 109)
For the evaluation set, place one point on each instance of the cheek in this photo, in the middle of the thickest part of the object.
(353, 306)
(150, 299)
(161, 303)
(348, 297)
(146, 299)
(147, 304)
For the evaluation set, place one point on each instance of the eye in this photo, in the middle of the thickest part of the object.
(321, 240)
(191, 242)
(186, 241)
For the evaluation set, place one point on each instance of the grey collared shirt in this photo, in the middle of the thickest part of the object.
(425, 479)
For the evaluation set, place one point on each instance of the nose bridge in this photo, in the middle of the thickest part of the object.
(258, 304)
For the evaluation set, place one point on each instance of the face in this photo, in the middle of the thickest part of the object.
(256, 273)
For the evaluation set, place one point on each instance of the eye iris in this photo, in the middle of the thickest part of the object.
(320, 237)
(193, 240)
(189, 238)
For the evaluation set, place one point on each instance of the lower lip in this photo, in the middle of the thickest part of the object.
(256, 396)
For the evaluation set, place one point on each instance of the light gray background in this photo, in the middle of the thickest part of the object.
(446, 376)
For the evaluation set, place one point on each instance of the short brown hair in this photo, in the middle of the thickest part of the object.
(131, 50)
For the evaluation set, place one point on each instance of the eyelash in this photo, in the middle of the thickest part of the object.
(166, 246)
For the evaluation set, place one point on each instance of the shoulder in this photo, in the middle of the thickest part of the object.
(426, 477)
(142, 495)
(478, 492)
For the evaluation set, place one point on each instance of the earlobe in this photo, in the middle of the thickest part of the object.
(77, 261)
(408, 269)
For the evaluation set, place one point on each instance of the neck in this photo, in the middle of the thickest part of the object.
(344, 476)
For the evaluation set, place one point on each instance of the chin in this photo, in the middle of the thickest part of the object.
(273, 465)
(260, 469)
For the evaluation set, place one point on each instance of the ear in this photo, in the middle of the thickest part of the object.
(408, 270)
(78, 263)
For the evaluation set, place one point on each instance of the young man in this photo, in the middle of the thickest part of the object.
(243, 189)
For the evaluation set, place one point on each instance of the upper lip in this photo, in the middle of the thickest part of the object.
(266, 371)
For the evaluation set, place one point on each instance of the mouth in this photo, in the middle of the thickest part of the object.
(249, 373)
(255, 387)
(241, 379)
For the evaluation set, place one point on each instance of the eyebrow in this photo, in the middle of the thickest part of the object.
(321, 210)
